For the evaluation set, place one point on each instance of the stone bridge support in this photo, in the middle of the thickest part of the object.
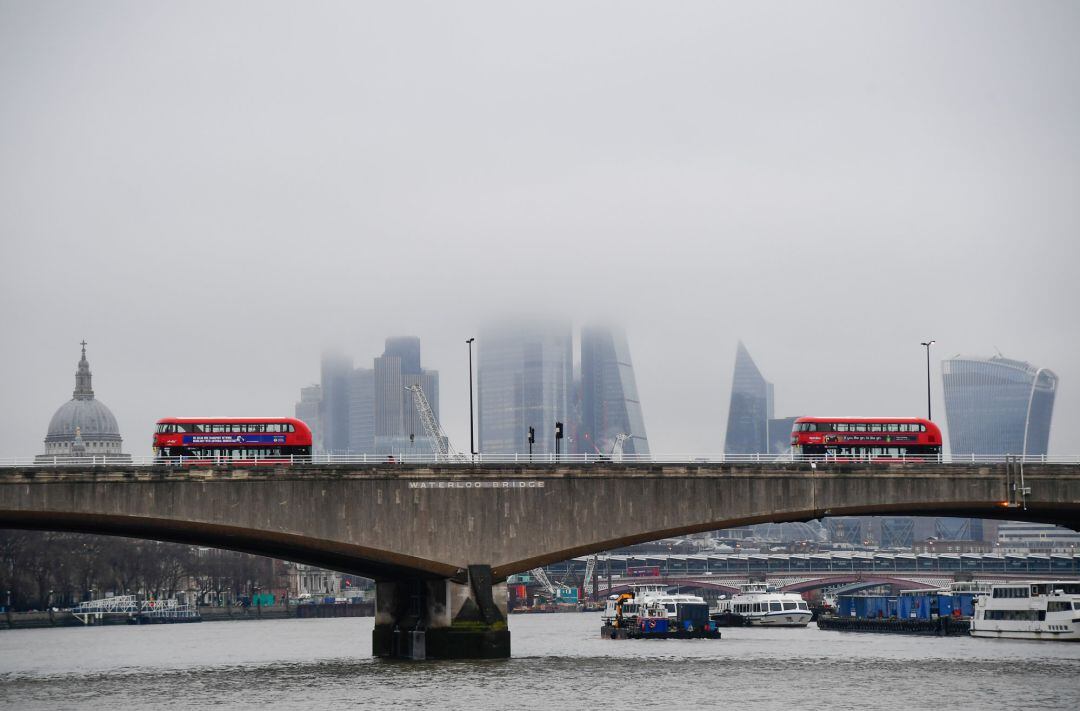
(442, 618)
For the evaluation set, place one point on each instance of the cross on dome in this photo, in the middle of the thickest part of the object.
(83, 389)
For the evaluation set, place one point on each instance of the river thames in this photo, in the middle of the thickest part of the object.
(559, 661)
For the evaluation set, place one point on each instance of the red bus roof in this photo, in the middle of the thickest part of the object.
(223, 420)
(848, 418)
(299, 425)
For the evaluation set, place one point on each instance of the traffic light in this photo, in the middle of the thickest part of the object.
(532, 435)
(558, 430)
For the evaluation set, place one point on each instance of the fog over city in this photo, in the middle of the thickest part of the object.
(212, 193)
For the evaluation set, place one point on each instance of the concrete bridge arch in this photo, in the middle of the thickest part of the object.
(447, 533)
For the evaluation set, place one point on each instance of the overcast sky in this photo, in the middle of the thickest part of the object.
(209, 193)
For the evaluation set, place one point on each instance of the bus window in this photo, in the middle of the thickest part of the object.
(875, 427)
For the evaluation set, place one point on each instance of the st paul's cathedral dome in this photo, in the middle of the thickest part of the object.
(83, 426)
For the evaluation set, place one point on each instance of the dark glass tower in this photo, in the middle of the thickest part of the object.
(750, 409)
(609, 399)
(997, 405)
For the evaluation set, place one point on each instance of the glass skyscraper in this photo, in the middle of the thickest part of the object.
(369, 410)
(997, 405)
(397, 424)
(336, 368)
(609, 399)
(307, 410)
(751, 408)
(524, 378)
(362, 411)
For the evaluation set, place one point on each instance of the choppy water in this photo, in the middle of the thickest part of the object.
(559, 662)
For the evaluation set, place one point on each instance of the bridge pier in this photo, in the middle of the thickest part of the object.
(442, 618)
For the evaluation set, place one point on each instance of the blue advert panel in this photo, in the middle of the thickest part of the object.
(233, 439)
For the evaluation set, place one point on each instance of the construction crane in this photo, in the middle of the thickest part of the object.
(590, 573)
(440, 443)
(616, 448)
(541, 575)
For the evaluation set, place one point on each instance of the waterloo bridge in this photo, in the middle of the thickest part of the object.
(441, 539)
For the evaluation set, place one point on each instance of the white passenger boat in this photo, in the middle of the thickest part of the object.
(1029, 610)
(653, 600)
(759, 605)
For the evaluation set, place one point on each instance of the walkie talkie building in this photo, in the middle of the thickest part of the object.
(997, 405)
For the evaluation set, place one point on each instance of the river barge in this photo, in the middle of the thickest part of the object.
(942, 612)
(939, 627)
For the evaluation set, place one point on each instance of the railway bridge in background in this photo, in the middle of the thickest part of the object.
(440, 540)
(716, 586)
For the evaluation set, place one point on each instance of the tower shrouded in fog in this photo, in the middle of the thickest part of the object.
(609, 398)
(524, 377)
(370, 410)
(336, 368)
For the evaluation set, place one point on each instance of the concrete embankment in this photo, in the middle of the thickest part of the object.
(61, 618)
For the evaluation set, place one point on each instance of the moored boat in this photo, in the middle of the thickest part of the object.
(1045, 610)
(760, 605)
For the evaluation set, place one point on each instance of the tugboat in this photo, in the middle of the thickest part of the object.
(650, 612)
(757, 604)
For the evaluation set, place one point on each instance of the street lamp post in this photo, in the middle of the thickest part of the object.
(472, 445)
(927, 344)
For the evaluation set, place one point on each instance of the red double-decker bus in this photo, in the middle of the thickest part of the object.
(247, 439)
(861, 437)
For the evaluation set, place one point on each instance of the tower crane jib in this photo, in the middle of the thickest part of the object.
(440, 443)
